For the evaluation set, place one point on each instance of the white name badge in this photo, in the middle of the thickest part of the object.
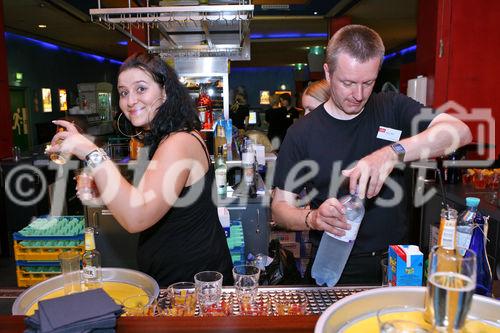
(389, 134)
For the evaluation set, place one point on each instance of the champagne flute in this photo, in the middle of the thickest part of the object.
(451, 285)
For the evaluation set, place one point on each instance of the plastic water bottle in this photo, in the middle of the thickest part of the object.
(334, 251)
(465, 223)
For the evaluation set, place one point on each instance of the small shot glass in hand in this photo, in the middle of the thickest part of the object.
(86, 187)
(58, 157)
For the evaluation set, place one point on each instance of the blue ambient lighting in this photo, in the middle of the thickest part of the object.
(123, 43)
(288, 35)
(317, 34)
(401, 52)
(54, 47)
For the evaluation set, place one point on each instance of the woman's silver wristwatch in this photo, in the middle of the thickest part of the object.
(96, 157)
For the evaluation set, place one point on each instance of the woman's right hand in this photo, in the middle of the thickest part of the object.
(70, 141)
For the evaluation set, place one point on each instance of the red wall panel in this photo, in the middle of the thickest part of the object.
(5, 114)
(474, 66)
(458, 47)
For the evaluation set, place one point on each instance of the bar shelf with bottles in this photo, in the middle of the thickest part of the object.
(456, 195)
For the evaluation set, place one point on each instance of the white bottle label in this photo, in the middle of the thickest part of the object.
(247, 158)
(350, 235)
(463, 240)
(89, 272)
(220, 177)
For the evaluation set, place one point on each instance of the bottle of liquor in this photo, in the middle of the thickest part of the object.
(465, 223)
(221, 173)
(334, 251)
(448, 228)
(447, 238)
(91, 261)
(204, 100)
(220, 137)
(248, 164)
(134, 146)
(484, 279)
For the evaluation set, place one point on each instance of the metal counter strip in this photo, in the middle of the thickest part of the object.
(318, 298)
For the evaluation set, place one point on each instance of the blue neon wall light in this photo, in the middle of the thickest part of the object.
(288, 35)
(54, 47)
(401, 52)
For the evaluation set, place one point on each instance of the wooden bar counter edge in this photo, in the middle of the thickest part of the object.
(272, 324)
(236, 324)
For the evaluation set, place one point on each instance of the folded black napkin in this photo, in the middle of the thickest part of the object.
(89, 311)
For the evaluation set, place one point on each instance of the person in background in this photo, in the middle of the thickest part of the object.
(172, 207)
(314, 95)
(239, 111)
(274, 116)
(360, 135)
(280, 118)
(292, 113)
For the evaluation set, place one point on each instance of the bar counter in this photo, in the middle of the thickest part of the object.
(291, 324)
(261, 324)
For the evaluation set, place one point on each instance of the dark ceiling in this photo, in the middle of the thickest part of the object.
(279, 36)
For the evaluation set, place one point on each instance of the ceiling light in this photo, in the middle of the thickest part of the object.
(42, 26)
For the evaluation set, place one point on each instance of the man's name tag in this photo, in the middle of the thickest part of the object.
(389, 134)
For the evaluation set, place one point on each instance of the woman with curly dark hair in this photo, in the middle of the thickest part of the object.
(172, 206)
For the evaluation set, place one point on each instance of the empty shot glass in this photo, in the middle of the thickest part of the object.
(208, 285)
(246, 283)
(70, 268)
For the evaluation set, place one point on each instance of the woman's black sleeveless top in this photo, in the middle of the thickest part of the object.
(188, 239)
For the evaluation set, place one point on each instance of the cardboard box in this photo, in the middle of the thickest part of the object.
(405, 265)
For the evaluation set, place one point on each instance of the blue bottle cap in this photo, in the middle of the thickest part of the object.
(472, 201)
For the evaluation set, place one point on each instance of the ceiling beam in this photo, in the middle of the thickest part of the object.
(71, 10)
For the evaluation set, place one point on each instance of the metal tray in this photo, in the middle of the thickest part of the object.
(315, 299)
(351, 308)
(32, 295)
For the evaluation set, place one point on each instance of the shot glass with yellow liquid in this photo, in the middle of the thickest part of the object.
(181, 300)
(138, 305)
(58, 157)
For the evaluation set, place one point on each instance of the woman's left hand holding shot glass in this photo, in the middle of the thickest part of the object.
(69, 141)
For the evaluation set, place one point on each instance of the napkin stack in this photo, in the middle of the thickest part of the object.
(89, 311)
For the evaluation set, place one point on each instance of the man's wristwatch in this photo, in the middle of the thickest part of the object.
(96, 157)
(399, 150)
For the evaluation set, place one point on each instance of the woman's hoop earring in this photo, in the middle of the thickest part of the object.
(120, 130)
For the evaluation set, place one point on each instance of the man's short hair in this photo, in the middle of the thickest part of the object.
(358, 41)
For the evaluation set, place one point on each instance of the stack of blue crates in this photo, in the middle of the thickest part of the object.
(236, 242)
(37, 246)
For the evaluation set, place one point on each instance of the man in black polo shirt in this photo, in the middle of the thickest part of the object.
(360, 135)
